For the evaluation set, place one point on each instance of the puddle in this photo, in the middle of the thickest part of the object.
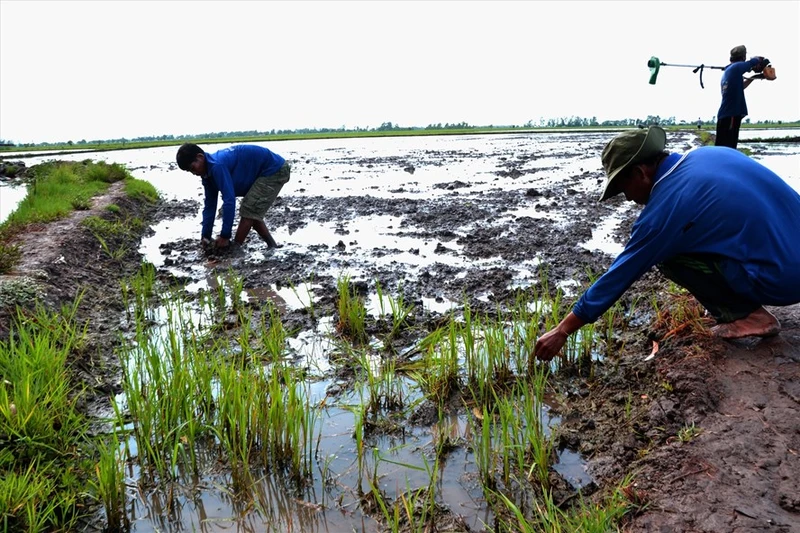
(10, 197)
(602, 239)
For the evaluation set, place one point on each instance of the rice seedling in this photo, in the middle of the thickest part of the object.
(498, 351)
(438, 374)
(476, 365)
(137, 292)
(381, 300)
(273, 333)
(222, 298)
(546, 516)
(413, 509)
(290, 419)
(553, 303)
(265, 417)
(236, 284)
(688, 432)
(306, 296)
(540, 447)
(110, 482)
(524, 330)
(680, 313)
(237, 396)
(628, 405)
(400, 310)
(610, 318)
(359, 416)
(244, 335)
(180, 392)
(391, 513)
(392, 388)
(352, 312)
(488, 366)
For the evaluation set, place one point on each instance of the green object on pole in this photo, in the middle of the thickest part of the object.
(654, 63)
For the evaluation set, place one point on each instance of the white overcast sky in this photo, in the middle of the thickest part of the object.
(102, 70)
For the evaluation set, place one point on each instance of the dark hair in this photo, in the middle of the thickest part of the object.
(187, 153)
(738, 53)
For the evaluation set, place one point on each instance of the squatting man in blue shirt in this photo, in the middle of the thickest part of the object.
(714, 221)
(253, 172)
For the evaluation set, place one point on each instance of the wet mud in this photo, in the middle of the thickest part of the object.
(708, 427)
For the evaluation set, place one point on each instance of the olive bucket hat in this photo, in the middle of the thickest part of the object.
(629, 148)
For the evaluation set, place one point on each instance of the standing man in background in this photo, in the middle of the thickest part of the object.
(734, 107)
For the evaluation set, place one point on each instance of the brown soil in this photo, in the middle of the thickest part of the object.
(740, 470)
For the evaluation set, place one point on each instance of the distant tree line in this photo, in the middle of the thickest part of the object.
(561, 122)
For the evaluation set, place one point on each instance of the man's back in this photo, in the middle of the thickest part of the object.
(717, 200)
(242, 164)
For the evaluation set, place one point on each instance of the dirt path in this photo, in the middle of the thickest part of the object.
(742, 473)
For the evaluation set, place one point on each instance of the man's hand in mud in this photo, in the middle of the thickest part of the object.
(549, 344)
(222, 242)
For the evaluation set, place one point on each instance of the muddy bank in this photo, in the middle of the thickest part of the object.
(63, 262)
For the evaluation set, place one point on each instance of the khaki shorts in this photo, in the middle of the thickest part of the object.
(263, 193)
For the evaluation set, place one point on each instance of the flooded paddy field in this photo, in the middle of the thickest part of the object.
(414, 276)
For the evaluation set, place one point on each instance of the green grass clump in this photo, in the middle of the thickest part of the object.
(10, 254)
(43, 437)
(58, 188)
(53, 193)
(142, 190)
(103, 172)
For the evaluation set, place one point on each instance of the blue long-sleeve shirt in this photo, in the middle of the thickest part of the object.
(231, 172)
(712, 200)
(732, 86)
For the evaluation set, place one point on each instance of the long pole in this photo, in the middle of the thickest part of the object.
(690, 66)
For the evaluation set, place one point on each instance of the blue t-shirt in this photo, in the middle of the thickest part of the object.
(732, 86)
(713, 200)
(232, 171)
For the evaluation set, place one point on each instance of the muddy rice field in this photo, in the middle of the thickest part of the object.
(706, 432)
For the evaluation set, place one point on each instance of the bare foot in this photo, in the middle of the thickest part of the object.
(759, 323)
